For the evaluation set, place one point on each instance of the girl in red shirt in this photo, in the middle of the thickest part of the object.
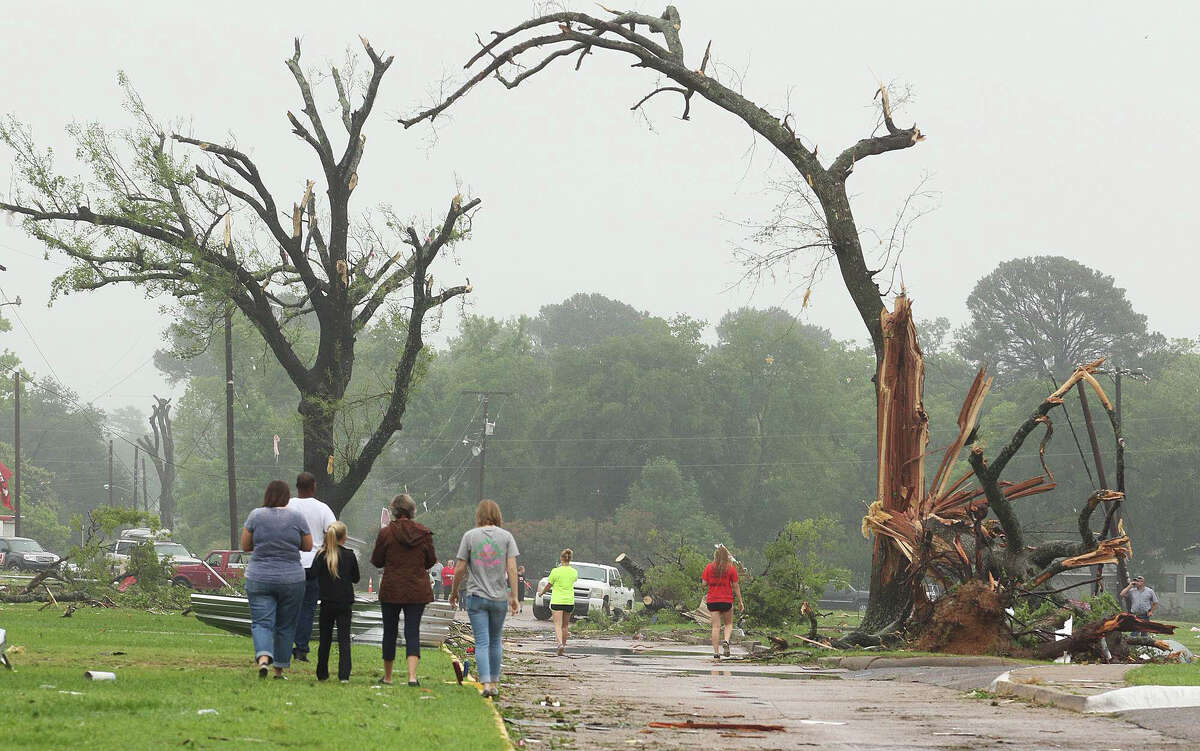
(722, 579)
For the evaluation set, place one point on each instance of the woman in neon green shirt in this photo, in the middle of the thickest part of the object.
(562, 598)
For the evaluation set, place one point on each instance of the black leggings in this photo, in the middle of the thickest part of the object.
(391, 628)
(334, 614)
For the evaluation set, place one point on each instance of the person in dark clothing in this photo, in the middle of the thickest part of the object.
(336, 571)
(404, 550)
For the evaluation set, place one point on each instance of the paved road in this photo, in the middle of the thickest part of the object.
(610, 693)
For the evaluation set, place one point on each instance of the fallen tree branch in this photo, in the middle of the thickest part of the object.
(1087, 638)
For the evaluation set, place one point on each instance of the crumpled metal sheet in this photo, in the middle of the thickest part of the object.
(366, 621)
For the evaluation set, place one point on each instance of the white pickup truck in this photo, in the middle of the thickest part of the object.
(598, 587)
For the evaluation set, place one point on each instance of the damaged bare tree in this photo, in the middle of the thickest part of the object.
(942, 529)
(147, 216)
(162, 454)
(568, 34)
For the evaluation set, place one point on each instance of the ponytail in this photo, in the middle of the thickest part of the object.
(335, 534)
(565, 557)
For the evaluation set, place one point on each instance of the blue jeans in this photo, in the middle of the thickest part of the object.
(304, 619)
(273, 608)
(487, 621)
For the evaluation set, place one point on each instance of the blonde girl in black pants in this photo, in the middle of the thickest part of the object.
(336, 570)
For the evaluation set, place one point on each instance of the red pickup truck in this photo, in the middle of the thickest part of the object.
(230, 565)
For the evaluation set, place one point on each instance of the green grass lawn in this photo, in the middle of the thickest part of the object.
(172, 667)
(1164, 675)
(1171, 675)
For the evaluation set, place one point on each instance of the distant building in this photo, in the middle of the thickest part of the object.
(1179, 586)
(1078, 576)
(8, 526)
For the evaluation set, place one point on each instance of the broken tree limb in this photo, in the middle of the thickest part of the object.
(41, 577)
(692, 725)
(64, 597)
(806, 611)
(1087, 637)
(637, 574)
(653, 604)
(814, 642)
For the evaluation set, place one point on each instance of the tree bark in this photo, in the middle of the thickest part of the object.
(162, 455)
(902, 434)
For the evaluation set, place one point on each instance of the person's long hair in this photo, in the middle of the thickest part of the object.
(335, 535)
(565, 557)
(277, 494)
(721, 560)
(488, 513)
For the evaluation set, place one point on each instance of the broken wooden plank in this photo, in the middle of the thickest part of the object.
(728, 726)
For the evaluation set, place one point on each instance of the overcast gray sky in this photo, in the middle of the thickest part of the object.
(1063, 128)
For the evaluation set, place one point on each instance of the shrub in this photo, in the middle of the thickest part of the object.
(796, 571)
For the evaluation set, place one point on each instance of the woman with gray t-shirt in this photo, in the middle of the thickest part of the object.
(274, 579)
(487, 562)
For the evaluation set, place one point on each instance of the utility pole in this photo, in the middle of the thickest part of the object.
(229, 460)
(1139, 374)
(145, 487)
(135, 476)
(110, 474)
(487, 428)
(16, 491)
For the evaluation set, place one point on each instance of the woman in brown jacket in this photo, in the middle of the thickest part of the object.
(404, 550)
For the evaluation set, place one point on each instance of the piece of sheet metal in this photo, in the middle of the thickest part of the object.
(366, 620)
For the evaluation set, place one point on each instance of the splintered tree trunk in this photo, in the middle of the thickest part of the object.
(317, 422)
(637, 574)
(902, 434)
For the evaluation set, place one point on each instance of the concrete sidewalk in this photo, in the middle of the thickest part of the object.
(1091, 688)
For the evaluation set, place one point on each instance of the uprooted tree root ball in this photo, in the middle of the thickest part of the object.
(970, 620)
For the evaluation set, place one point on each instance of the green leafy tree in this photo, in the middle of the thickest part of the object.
(798, 570)
(41, 509)
(1162, 430)
(611, 408)
(1048, 314)
(669, 502)
(797, 412)
(583, 320)
(676, 577)
(154, 210)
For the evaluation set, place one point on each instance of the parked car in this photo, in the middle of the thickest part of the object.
(847, 598)
(178, 555)
(22, 553)
(230, 565)
(598, 587)
(145, 533)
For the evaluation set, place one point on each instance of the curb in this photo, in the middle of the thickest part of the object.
(869, 662)
(1117, 700)
(496, 716)
(1040, 694)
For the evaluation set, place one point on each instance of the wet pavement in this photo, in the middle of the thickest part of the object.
(605, 694)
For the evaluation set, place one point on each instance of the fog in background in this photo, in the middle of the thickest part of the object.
(1062, 128)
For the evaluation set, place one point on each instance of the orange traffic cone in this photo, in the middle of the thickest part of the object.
(370, 586)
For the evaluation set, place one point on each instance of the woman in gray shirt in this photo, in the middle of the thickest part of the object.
(487, 563)
(274, 578)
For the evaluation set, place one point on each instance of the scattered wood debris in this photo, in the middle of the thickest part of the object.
(727, 726)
